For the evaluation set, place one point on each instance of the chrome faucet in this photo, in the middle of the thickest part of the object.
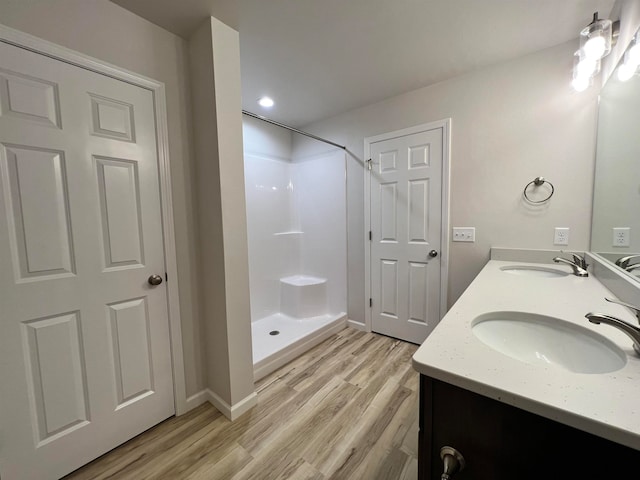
(578, 264)
(633, 267)
(633, 308)
(625, 261)
(630, 330)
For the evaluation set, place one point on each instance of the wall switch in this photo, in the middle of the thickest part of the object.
(464, 234)
(621, 237)
(561, 236)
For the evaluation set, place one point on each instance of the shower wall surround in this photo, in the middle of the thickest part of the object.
(296, 219)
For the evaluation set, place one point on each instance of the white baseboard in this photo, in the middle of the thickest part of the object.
(232, 411)
(196, 400)
(357, 325)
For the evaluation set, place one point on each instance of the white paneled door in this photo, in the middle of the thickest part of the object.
(406, 231)
(84, 337)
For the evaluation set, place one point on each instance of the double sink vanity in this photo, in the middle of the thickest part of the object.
(516, 382)
(522, 385)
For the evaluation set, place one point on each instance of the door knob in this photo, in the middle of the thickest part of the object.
(154, 280)
(453, 462)
(433, 253)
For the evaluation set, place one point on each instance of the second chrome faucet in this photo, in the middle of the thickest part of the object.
(578, 264)
(628, 262)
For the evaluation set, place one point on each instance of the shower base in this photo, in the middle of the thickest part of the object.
(295, 336)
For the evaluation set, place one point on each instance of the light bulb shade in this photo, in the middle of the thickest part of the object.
(580, 84)
(595, 39)
(585, 66)
(626, 71)
(582, 76)
(630, 62)
(632, 55)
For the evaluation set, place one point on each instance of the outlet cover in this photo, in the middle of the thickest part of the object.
(561, 236)
(621, 237)
(464, 234)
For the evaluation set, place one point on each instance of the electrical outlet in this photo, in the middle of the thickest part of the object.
(561, 236)
(621, 237)
(464, 234)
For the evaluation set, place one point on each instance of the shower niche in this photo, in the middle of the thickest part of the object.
(296, 225)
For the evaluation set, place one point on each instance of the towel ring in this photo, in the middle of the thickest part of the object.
(537, 182)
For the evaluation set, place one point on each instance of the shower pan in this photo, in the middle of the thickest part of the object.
(296, 225)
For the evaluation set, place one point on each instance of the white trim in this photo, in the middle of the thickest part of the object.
(197, 399)
(367, 229)
(444, 239)
(232, 412)
(43, 47)
(356, 325)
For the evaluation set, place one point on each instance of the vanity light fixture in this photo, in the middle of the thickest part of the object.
(266, 102)
(631, 61)
(596, 40)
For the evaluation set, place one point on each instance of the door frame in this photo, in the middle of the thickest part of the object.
(37, 45)
(444, 239)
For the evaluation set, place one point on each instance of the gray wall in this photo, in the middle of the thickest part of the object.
(511, 122)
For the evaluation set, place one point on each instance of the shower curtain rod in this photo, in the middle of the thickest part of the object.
(268, 120)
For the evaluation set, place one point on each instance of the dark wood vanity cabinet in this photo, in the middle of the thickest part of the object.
(502, 442)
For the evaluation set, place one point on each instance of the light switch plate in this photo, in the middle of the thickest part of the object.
(464, 234)
(561, 236)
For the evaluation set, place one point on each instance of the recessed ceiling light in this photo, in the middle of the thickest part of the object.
(266, 102)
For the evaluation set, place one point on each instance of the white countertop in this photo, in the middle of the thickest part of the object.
(604, 404)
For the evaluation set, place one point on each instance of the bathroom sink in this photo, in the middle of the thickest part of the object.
(532, 271)
(547, 341)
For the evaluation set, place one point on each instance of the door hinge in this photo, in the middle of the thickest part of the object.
(370, 235)
(166, 277)
(370, 302)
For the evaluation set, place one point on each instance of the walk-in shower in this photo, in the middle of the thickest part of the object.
(296, 224)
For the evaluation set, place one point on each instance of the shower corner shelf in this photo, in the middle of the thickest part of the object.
(290, 232)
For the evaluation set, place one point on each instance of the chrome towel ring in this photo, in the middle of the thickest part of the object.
(536, 182)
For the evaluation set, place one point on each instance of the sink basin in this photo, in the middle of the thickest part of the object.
(532, 271)
(547, 341)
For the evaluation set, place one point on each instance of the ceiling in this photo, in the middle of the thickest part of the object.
(319, 58)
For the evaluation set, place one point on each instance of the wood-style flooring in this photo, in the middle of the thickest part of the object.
(347, 409)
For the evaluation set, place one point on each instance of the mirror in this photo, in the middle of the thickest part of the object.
(615, 228)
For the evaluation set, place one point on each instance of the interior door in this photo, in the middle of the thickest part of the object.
(406, 232)
(84, 337)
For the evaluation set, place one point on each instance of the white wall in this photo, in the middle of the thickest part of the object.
(320, 188)
(511, 122)
(270, 213)
(112, 34)
(296, 217)
(273, 230)
(214, 52)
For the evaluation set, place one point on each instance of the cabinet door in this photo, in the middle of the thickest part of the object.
(501, 442)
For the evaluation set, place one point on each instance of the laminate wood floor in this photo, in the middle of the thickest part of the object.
(347, 409)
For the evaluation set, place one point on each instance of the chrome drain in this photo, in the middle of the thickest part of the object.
(274, 332)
